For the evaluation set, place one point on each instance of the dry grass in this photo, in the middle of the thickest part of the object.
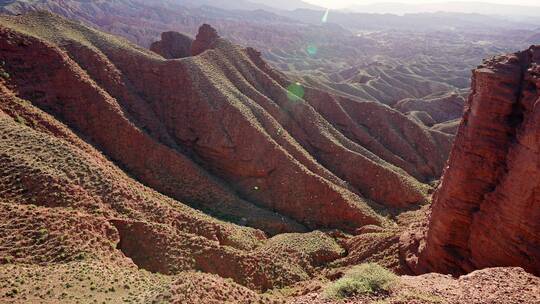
(79, 282)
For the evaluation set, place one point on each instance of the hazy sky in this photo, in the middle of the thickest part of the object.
(345, 3)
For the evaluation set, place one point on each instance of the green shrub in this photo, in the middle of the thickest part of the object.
(362, 279)
(42, 234)
(4, 74)
(21, 120)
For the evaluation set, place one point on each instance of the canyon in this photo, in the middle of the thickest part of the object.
(170, 166)
(374, 57)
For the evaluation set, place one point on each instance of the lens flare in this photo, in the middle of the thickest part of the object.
(312, 49)
(295, 92)
(325, 17)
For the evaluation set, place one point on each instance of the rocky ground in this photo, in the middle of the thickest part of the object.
(493, 285)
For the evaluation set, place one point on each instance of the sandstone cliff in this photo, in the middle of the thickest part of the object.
(486, 211)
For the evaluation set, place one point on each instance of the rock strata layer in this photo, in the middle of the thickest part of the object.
(486, 211)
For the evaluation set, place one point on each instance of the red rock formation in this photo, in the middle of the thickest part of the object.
(218, 132)
(173, 45)
(486, 211)
(92, 126)
(205, 39)
(63, 201)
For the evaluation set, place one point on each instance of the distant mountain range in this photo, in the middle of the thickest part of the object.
(453, 7)
(287, 4)
(245, 4)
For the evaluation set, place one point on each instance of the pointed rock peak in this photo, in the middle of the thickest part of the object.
(205, 39)
(173, 45)
(206, 31)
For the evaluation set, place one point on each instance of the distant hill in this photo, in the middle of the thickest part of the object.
(452, 7)
(534, 39)
(288, 4)
(243, 4)
(427, 21)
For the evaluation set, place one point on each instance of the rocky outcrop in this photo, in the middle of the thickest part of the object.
(173, 45)
(486, 211)
(205, 39)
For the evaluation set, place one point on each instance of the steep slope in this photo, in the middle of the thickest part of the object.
(118, 142)
(216, 128)
(65, 204)
(486, 210)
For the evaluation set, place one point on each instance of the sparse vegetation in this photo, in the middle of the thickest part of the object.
(8, 260)
(20, 119)
(113, 237)
(4, 74)
(363, 279)
(42, 235)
